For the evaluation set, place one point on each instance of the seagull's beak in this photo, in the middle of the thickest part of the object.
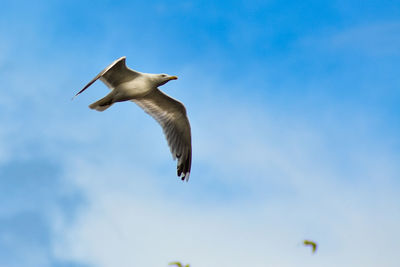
(173, 78)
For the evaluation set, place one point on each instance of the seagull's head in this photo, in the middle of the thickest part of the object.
(162, 79)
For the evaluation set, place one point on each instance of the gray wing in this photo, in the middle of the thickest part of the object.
(171, 115)
(114, 74)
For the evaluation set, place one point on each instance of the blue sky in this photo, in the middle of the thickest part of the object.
(295, 123)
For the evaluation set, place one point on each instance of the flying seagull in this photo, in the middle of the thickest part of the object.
(312, 244)
(142, 88)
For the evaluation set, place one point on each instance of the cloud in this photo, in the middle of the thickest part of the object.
(271, 167)
(33, 191)
(373, 39)
(259, 186)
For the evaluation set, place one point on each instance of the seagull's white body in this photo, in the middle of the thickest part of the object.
(142, 88)
(138, 87)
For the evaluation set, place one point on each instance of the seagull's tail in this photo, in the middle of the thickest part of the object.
(103, 103)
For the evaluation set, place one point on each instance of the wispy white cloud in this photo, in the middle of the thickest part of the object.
(374, 39)
(290, 186)
(263, 177)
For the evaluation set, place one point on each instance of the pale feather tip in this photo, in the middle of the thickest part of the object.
(185, 176)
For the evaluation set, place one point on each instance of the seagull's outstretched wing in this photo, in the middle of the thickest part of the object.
(171, 115)
(113, 75)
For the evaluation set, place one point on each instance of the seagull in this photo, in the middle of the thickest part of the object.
(142, 89)
(311, 244)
